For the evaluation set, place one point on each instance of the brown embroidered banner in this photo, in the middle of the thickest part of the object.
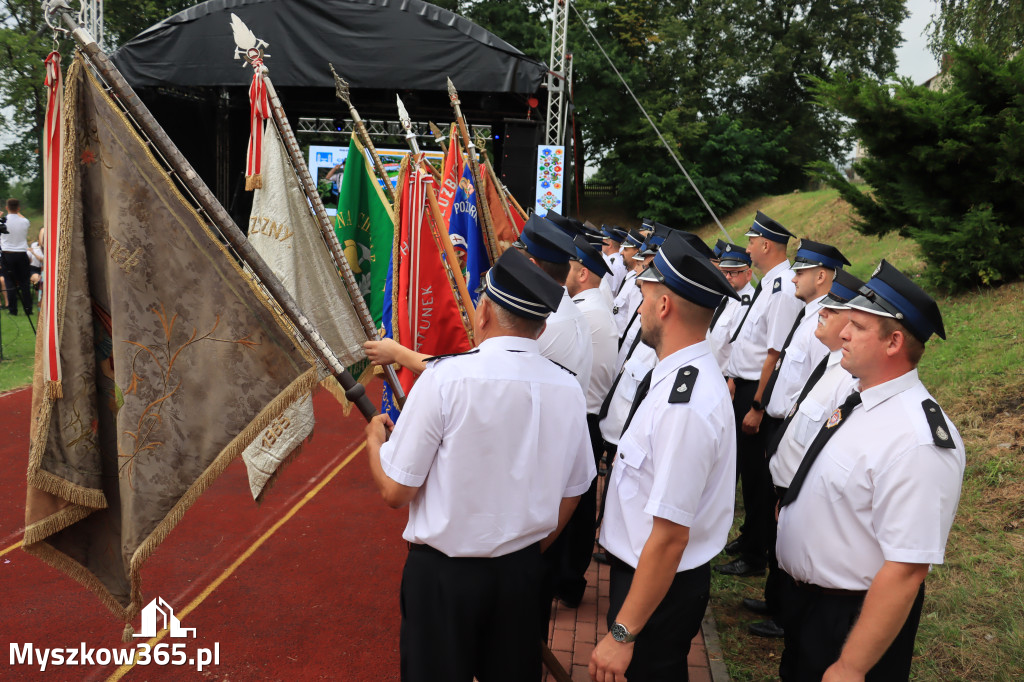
(173, 360)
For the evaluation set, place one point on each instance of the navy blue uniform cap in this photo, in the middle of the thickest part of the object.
(818, 255)
(734, 256)
(519, 286)
(590, 257)
(688, 273)
(769, 229)
(634, 240)
(890, 293)
(844, 287)
(542, 240)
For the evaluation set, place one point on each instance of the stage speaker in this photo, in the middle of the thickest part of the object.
(516, 151)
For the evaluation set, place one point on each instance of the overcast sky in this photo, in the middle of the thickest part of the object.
(914, 59)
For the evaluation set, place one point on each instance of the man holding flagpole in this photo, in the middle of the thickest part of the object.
(489, 486)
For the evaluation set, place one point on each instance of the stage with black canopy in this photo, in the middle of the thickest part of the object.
(185, 70)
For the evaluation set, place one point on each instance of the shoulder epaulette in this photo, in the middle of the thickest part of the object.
(564, 367)
(682, 389)
(451, 355)
(777, 286)
(937, 423)
(745, 299)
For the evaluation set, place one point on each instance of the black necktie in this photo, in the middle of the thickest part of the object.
(641, 393)
(631, 320)
(606, 405)
(718, 312)
(770, 386)
(827, 430)
(757, 292)
(621, 284)
(818, 372)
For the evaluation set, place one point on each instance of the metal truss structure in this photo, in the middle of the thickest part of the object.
(376, 128)
(559, 65)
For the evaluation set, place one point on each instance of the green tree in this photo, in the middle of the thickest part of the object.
(794, 41)
(996, 23)
(945, 168)
(25, 40)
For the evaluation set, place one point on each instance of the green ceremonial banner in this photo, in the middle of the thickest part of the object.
(365, 226)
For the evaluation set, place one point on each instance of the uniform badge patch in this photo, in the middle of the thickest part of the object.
(937, 423)
(745, 299)
(836, 417)
(777, 286)
(682, 387)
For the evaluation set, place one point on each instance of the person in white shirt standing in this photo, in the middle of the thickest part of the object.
(569, 556)
(672, 489)
(14, 246)
(756, 345)
(566, 337)
(613, 238)
(871, 505)
(734, 262)
(491, 455)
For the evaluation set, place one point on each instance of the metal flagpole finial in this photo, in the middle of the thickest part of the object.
(403, 115)
(247, 45)
(340, 86)
(453, 94)
(439, 135)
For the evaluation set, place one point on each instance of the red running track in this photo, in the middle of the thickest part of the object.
(317, 599)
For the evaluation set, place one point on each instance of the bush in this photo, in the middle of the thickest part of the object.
(945, 167)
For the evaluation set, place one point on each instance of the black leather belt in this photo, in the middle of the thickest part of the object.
(818, 589)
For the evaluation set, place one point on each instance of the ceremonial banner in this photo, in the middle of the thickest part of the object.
(465, 222)
(506, 231)
(173, 360)
(365, 227)
(450, 173)
(283, 232)
(422, 312)
(550, 178)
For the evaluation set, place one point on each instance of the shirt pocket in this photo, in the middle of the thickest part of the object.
(630, 458)
(808, 421)
(835, 474)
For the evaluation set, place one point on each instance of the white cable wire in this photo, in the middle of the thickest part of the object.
(649, 120)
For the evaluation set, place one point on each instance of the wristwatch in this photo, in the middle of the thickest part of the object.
(756, 405)
(621, 634)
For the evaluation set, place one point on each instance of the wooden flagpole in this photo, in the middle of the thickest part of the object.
(455, 278)
(439, 137)
(326, 229)
(499, 189)
(342, 93)
(474, 166)
(183, 172)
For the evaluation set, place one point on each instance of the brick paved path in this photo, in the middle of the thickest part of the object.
(574, 632)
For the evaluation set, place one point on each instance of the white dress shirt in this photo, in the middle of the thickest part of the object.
(627, 301)
(566, 340)
(817, 406)
(725, 325)
(16, 239)
(610, 282)
(676, 461)
(767, 325)
(880, 490)
(604, 341)
(803, 354)
(494, 439)
(633, 372)
(628, 337)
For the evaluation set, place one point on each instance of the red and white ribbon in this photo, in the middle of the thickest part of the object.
(259, 108)
(53, 157)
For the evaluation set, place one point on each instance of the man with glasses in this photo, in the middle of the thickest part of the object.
(734, 262)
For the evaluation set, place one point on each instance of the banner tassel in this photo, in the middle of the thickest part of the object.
(129, 633)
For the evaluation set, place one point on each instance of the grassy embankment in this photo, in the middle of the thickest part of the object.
(973, 622)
